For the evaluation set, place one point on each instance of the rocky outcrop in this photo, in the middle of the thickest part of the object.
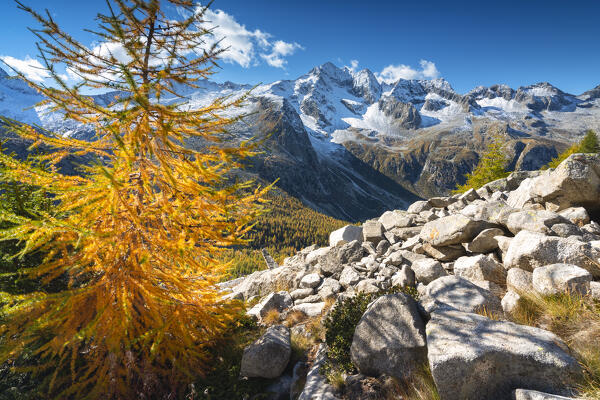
(471, 274)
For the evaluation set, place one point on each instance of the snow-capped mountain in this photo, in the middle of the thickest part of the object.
(352, 146)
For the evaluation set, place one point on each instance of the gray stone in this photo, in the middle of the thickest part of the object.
(475, 358)
(410, 243)
(462, 295)
(441, 202)
(535, 221)
(313, 257)
(329, 288)
(301, 293)
(269, 355)
(510, 301)
(406, 233)
(519, 280)
(444, 253)
(310, 281)
(279, 301)
(503, 243)
(313, 298)
(390, 338)
(310, 309)
(395, 258)
(453, 229)
(565, 230)
(396, 219)
(469, 196)
(419, 206)
(373, 232)
(485, 242)
(349, 277)
(525, 394)
(529, 250)
(346, 234)
(575, 182)
(480, 268)
(382, 247)
(410, 257)
(405, 277)
(369, 248)
(577, 215)
(333, 262)
(427, 270)
(494, 211)
(367, 286)
(557, 278)
(317, 387)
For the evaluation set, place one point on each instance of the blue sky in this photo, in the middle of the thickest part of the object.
(469, 43)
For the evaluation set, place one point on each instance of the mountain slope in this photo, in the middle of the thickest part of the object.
(350, 146)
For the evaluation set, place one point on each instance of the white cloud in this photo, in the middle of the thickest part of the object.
(353, 65)
(392, 73)
(245, 47)
(29, 67)
(279, 50)
(429, 69)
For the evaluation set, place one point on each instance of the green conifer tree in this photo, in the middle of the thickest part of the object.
(491, 166)
(589, 144)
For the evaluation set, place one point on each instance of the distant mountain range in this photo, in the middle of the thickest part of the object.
(351, 146)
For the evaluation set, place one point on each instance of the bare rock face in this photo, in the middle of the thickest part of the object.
(474, 358)
(462, 295)
(373, 232)
(519, 281)
(390, 338)
(485, 242)
(534, 221)
(453, 229)
(345, 235)
(269, 355)
(561, 278)
(333, 261)
(427, 270)
(575, 182)
(480, 268)
(530, 250)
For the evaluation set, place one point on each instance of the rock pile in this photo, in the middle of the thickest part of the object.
(468, 255)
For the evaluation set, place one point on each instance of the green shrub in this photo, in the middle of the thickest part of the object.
(589, 144)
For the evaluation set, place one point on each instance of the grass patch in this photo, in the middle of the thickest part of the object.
(576, 320)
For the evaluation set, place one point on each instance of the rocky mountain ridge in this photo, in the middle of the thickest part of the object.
(471, 257)
(336, 133)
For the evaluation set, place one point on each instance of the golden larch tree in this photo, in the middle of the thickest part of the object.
(136, 234)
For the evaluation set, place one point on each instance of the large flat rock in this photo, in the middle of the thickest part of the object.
(475, 358)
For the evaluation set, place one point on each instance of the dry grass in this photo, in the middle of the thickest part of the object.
(316, 329)
(294, 318)
(271, 318)
(419, 387)
(576, 320)
(337, 379)
(329, 302)
(483, 311)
